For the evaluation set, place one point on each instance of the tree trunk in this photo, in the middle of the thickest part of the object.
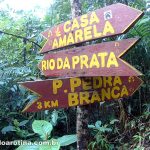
(75, 8)
(82, 111)
(82, 128)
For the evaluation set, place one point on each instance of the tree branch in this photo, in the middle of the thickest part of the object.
(21, 37)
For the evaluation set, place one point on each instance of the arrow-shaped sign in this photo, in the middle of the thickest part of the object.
(61, 93)
(111, 20)
(94, 60)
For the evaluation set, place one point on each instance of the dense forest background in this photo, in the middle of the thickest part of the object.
(122, 124)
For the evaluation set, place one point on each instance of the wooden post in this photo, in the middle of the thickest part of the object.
(82, 127)
(82, 111)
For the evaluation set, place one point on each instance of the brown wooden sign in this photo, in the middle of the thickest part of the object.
(111, 20)
(61, 93)
(93, 60)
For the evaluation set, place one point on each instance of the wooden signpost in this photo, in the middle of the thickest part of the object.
(62, 93)
(108, 21)
(100, 74)
(93, 60)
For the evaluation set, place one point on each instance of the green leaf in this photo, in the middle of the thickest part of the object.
(113, 121)
(22, 123)
(91, 126)
(67, 139)
(16, 123)
(108, 129)
(98, 124)
(104, 129)
(7, 129)
(53, 144)
(2, 83)
(145, 20)
(93, 145)
(28, 147)
(54, 117)
(43, 128)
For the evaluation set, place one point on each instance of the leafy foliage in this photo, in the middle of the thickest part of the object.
(101, 141)
(67, 140)
(44, 128)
